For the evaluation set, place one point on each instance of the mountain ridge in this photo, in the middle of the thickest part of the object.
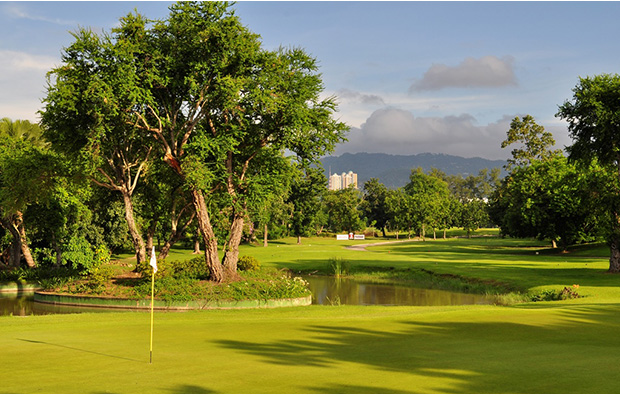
(393, 170)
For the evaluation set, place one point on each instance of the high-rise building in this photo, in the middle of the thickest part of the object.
(342, 181)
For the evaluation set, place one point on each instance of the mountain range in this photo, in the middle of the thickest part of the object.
(393, 170)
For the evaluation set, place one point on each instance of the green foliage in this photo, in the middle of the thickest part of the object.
(247, 263)
(535, 142)
(261, 284)
(552, 199)
(339, 267)
(343, 210)
(194, 268)
(552, 295)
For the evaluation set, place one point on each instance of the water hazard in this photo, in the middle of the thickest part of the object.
(330, 290)
(325, 291)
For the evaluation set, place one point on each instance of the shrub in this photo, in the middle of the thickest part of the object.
(195, 268)
(551, 295)
(246, 263)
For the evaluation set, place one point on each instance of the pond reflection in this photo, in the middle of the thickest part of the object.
(16, 303)
(331, 290)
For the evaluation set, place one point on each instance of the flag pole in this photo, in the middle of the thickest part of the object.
(153, 264)
(152, 297)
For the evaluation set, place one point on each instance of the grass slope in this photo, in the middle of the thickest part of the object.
(544, 347)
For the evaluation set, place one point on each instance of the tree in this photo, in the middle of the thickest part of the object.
(593, 117)
(87, 117)
(198, 86)
(343, 210)
(373, 204)
(400, 211)
(429, 195)
(307, 189)
(535, 142)
(551, 199)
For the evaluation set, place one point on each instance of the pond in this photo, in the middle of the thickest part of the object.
(325, 291)
(331, 290)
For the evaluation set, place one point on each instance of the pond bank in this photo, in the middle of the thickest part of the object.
(143, 304)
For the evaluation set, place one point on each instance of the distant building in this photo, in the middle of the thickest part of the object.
(342, 181)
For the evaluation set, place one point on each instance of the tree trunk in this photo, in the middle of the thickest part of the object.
(299, 239)
(15, 254)
(444, 233)
(265, 237)
(150, 233)
(231, 256)
(554, 244)
(614, 258)
(216, 270)
(175, 235)
(136, 237)
(383, 231)
(197, 242)
(58, 251)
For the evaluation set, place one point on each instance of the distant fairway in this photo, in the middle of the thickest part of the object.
(544, 347)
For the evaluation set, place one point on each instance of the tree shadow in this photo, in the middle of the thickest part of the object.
(560, 352)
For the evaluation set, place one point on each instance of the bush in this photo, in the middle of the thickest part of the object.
(551, 295)
(195, 268)
(247, 263)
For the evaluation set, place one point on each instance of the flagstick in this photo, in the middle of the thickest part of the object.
(152, 296)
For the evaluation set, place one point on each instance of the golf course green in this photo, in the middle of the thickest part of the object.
(568, 346)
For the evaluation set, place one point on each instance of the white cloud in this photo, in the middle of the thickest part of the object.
(488, 71)
(396, 131)
(22, 77)
(18, 12)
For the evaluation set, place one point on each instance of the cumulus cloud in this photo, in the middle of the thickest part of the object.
(397, 131)
(488, 71)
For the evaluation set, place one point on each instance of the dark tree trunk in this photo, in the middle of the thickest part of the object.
(216, 270)
(614, 258)
(15, 250)
(136, 237)
(56, 247)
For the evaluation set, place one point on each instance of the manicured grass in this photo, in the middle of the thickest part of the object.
(544, 347)
(561, 348)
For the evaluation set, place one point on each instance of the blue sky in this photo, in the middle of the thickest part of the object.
(410, 77)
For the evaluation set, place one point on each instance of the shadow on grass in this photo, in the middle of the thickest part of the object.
(191, 389)
(562, 350)
(80, 350)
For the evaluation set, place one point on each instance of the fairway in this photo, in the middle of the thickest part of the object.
(317, 349)
(567, 346)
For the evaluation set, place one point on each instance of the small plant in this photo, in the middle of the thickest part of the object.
(246, 263)
(339, 267)
(551, 295)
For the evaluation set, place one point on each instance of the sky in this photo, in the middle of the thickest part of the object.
(409, 77)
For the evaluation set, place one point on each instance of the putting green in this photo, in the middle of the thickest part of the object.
(318, 349)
